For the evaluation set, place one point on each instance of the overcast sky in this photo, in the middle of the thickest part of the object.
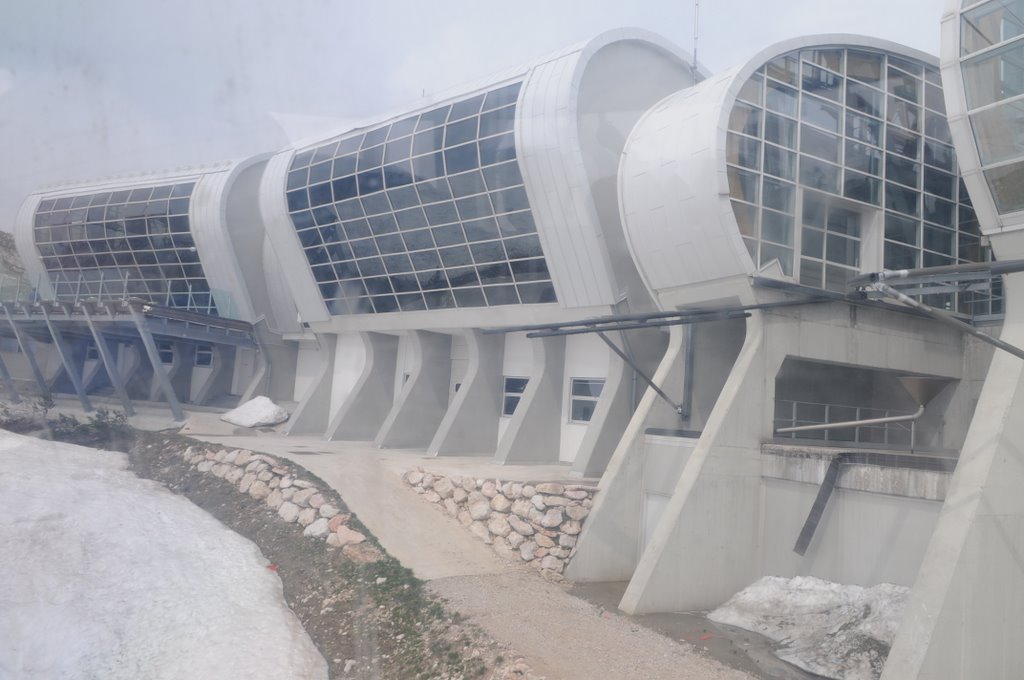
(89, 89)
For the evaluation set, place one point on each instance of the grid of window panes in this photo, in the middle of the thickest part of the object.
(822, 143)
(992, 51)
(134, 242)
(428, 212)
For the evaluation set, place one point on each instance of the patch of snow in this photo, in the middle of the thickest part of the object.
(257, 412)
(838, 631)
(105, 575)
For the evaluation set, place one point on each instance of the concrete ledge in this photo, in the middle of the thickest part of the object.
(808, 465)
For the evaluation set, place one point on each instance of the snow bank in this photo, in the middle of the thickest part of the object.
(837, 631)
(105, 575)
(257, 412)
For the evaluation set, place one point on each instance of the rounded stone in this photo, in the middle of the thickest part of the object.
(468, 484)
(529, 491)
(259, 490)
(413, 477)
(519, 526)
(444, 487)
(316, 500)
(316, 529)
(515, 540)
(451, 506)
(526, 550)
(552, 563)
(551, 488)
(576, 494)
(552, 518)
(500, 504)
(577, 512)
(302, 496)
(554, 501)
(432, 496)
(287, 492)
(489, 489)
(459, 495)
(543, 541)
(348, 536)
(327, 510)
(538, 502)
(480, 510)
(522, 507)
(306, 516)
(243, 458)
(572, 527)
(288, 511)
(499, 526)
(274, 500)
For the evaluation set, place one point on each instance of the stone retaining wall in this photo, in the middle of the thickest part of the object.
(539, 522)
(296, 500)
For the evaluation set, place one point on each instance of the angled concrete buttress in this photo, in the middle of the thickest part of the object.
(5, 376)
(965, 614)
(423, 400)
(713, 511)
(312, 414)
(109, 362)
(470, 426)
(608, 547)
(67, 360)
(364, 406)
(537, 421)
(609, 420)
(26, 349)
(159, 374)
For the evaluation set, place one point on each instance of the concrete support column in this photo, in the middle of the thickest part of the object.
(314, 409)
(609, 420)
(159, 374)
(534, 430)
(363, 409)
(5, 376)
(965, 613)
(109, 363)
(470, 425)
(608, 548)
(705, 546)
(423, 400)
(71, 367)
(26, 348)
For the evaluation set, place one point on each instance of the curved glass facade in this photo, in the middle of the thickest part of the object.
(992, 62)
(428, 212)
(840, 161)
(131, 241)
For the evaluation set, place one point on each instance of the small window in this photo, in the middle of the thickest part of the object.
(92, 353)
(583, 401)
(514, 388)
(204, 355)
(166, 352)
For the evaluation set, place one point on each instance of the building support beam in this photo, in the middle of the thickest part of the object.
(109, 363)
(5, 376)
(159, 374)
(69, 361)
(26, 349)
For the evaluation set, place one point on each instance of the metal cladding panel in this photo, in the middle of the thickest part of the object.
(674, 194)
(285, 243)
(213, 243)
(556, 183)
(24, 241)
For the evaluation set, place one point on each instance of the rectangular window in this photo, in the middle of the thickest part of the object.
(584, 393)
(514, 388)
(166, 352)
(204, 355)
(92, 353)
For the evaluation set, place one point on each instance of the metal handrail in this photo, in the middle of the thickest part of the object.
(869, 423)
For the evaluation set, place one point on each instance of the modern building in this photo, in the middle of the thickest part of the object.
(671, 260)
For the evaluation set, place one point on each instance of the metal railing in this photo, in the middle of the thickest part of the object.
(845, 424)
